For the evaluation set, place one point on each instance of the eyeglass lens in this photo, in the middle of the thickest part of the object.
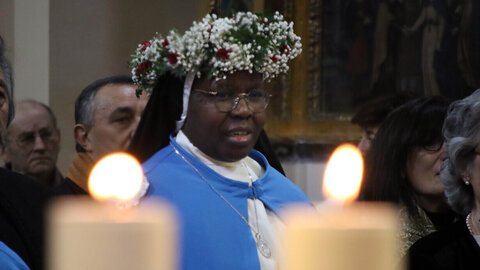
(28, 139)
(257, 101)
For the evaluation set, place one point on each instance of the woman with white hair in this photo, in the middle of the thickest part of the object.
(458, 246)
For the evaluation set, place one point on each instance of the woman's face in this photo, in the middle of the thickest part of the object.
(423, 172)
(224, 136)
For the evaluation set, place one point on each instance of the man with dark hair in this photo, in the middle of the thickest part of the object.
(107, 113)
(371, 114)
(21, 199)
(32, 143)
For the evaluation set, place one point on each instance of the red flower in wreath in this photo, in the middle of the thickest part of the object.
(143, 67)
(274, 59)
(145, 45)
(284, 49)
(165, 43)
(223, 53)
(264, 21)
(172, 58)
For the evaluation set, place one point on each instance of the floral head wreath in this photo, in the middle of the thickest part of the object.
(217, 47)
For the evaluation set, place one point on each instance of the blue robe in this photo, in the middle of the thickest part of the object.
(9, 260)
(213, 235)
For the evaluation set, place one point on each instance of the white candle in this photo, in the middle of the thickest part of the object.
(342, 235)
(88, 234)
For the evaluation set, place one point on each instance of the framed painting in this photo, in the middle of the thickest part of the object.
(300, 112)
(356, 50)
(226, 7)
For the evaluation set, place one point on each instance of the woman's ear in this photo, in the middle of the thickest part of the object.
(466, 179)
(466, 175)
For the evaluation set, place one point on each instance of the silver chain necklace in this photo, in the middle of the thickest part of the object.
(261, 244)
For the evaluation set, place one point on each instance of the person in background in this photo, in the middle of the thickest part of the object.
(32, 143)
(457, 247)
(403, 167)
(371, 114)
(107, 113)
(22, 199)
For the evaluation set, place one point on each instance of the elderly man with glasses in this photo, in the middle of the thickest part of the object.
(32, 143)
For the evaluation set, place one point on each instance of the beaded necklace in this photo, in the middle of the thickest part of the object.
(468, 221)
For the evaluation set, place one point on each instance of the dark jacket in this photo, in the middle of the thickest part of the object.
(452, 248)
(22, 205)
(68, 187)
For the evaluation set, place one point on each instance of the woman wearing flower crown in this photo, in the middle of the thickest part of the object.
(197, 134)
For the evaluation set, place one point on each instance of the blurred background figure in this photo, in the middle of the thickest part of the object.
(107, 113)
(432, 22)
(6, 92)
(403, 167)
(22, 199)
(371, 115)
(458, 246)
(32, 143)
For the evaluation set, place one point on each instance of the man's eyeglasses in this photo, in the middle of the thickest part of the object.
(257, 101)
(27, 140)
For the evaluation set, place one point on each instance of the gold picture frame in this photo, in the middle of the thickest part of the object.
(292, 116)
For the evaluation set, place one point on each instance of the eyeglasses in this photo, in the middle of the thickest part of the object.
(3, 94)
(257, 101)
(3, 99)
(27, 140)
(435, 147)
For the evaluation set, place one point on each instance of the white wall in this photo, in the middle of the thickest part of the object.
(6, 25)
(308, 175)
(31, 55)
(91, 39)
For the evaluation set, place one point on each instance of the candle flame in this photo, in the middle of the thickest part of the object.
(117, 176)
(343, 174)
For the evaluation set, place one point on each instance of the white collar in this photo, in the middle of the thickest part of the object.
(233, 170)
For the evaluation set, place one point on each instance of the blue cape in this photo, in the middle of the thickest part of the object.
(213, 235)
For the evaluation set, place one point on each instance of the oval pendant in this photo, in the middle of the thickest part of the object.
(263, 247)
